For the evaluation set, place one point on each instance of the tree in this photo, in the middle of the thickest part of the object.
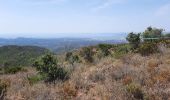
(48, 67)
(134, 40)
(167, 35)
(152, 33)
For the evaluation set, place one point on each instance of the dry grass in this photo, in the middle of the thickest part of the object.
(106, 80)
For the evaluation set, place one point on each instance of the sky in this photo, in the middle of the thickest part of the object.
(52, 18)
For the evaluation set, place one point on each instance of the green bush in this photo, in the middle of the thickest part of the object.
(87, 54)
(134, 40)
(48, 67)
(148, 48)
(167, 35)
(135, 90)
(13, 70)
(72, 58)
(120, 50)
(68, 56)
(105, 49)
(3, 89)
(1, 70)
(34, 79)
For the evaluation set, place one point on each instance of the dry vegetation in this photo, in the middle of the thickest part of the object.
(131, 77)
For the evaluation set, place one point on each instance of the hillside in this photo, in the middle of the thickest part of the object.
(19, 55)
(127, 77)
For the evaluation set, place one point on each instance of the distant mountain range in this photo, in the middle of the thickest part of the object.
(60, 45)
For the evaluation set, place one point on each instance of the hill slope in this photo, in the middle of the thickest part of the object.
(132, 77)
(19, 55)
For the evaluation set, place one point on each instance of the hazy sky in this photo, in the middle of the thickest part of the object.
(51, 17)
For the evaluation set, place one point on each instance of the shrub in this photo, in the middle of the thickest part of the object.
(153, 63)
(72, 58)
(105, 49)
(48, 67)
(68, 56)
(127, 80)
(3, 89)
(34, 79)
(69, 90)
(13, 70)
(1, 70)
(148, 48)
(136, 91)
(87, 54)
(76, 58)
(97, 76)
(134, 40)
(167, 35)
(121, 50)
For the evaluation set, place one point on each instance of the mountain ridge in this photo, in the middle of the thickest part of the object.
(57, 45)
